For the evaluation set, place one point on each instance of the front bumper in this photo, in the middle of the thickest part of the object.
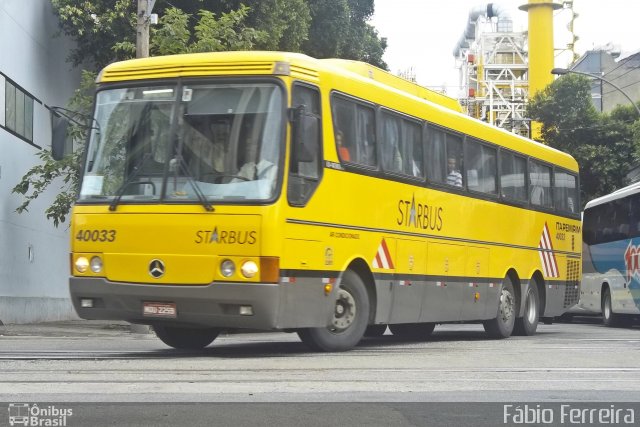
(213, 305)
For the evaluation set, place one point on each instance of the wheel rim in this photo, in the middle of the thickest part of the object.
(506, 305)
(344, 312)
(531, 308)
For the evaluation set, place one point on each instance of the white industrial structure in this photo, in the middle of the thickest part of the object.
(34, 75)
(493, 61)
(501, 69)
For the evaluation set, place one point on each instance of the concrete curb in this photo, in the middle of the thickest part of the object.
(76, 328)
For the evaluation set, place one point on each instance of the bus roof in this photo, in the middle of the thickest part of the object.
(617, 194)
(386, 78)
(259, 62)
(447, 111)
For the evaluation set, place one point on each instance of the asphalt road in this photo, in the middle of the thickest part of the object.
(106, 364)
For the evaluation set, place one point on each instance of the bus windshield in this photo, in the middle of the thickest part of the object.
(219, 142)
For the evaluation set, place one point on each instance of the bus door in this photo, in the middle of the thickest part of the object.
(408, 288)
(475, 292)
(443, 296)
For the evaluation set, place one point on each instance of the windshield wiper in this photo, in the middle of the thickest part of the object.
(196, 188)
(129, 181)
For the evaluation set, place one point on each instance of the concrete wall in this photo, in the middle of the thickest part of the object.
(34, 255)
(625, 74)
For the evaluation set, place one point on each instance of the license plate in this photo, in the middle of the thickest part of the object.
(159, 309)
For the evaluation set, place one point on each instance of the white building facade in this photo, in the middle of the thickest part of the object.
(34, 75)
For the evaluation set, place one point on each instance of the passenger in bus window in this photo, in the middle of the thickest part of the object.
(454, 177)
(343, 151)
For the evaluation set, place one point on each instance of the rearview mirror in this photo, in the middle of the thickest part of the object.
(59, 135)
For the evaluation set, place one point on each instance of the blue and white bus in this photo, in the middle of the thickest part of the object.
(611, 257)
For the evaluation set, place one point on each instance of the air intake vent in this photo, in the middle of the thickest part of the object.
(572, 289)
(188, 69)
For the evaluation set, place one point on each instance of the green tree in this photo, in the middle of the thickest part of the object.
(339, 29)
(104, 32)
(178, 32)
(605, 145)
(286, 22)
(40, 177)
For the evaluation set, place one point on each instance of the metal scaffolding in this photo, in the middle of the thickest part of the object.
(494, 75)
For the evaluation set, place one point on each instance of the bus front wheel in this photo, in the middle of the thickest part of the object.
(185, 338)
(502, 325)
(527, 324)
(348, 322)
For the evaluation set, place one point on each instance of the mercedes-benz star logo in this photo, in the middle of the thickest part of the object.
(156, 268)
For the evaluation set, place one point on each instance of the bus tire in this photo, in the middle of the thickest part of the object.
(186, 338)
(502, 325)
(412, 331)
(349, 321)
(609, 318)
(373, 331)
(528, 323)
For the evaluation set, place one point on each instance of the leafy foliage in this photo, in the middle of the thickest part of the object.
(339, 29)
(99, 27)
(41, 176)
(606, 146)
(105, 31)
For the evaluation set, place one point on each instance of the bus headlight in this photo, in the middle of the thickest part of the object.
(96, 264)
(82, 264)
(249, 269)
(227, 268)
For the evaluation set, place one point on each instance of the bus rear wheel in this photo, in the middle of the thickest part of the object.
(527, 324)
(349, 321)
(186, 338)
(413, 331)
(609, 318)
(502, 325)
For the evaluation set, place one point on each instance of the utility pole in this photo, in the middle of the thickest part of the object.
(142, 27)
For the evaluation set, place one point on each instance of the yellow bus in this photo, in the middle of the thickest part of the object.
(274, 191)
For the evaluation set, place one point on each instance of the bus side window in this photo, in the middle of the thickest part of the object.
(480, 166)
(512, 178)
(436, 156)
(540, 179)
(365, 146)
(454, 161)
(412, 135)
(634, 215)
(391, 144)
(565, 192)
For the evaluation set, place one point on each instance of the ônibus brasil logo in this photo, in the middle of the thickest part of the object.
(32, 415)
(632, 261)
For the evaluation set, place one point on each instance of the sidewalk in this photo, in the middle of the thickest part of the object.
(73, 328)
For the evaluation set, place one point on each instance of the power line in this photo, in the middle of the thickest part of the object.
(620, 64)
(622, 87)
